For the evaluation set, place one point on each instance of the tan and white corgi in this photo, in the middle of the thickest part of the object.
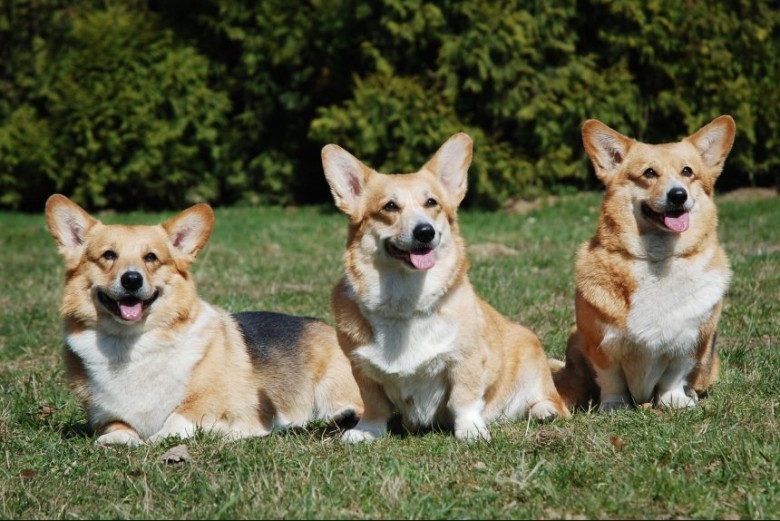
(650, 283)
(421, 341)
(149, 359)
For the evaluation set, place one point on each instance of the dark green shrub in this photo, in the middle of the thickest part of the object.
(693, 61)
(160, 104)
(120, 117)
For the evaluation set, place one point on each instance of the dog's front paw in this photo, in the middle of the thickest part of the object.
(613, 403)
(472, 430)
(158, 437)
(364, 431)
(175, 425)
(677, 399)
(120, 437)
(544, 411)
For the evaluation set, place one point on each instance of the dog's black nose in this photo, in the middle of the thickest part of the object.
(424, 232)
(677, 195)
(132, 280)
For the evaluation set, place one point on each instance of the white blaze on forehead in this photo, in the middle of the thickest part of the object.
(419, 217)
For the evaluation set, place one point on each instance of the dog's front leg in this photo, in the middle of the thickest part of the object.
(671, 386)
(467, 401)
(614, 390)
(377, 410)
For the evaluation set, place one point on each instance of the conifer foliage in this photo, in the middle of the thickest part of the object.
(158, 104)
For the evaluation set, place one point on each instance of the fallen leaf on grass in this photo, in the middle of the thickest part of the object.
(177, 454)
(45, 410)
(617, 442)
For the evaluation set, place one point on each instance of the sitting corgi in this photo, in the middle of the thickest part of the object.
(149, 359)
(650, 283)
(421, 341)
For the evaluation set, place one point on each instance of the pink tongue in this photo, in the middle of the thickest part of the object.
(423, 261)
(677, 224)
(131, 312)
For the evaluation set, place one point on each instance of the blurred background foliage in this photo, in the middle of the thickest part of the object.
(162, 103)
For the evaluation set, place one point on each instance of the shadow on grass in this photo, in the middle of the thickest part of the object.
(73, 430)
(395, 428)
(69, 430)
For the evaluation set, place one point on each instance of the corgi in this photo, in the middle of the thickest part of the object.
(149, 359)
(650, 282)
(421, 342)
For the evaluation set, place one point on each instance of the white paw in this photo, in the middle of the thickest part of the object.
(175, 425)
(676, 399)
(120, 437)
(613, 403)
(158, 437)
(364, 431)
(472, 430)
(544, 411)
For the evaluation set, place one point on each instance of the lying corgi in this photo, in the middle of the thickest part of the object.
(421, 341)
(149, 359)
(650, 283)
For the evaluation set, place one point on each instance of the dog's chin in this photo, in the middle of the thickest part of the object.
(418, 259)
(672, 221)
(126, 309)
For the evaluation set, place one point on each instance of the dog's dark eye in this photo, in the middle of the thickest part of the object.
(687, 172)
(150, 257)
(109, 255)
(649, 173)
(430, 203)
(390, 207)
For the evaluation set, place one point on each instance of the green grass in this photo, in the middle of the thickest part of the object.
(720, 460)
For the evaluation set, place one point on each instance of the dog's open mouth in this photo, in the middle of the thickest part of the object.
(419, 258)
(130, 309)
(676, 221)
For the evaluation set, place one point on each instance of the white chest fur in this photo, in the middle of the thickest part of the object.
(139, 379)
(410, 358)
(673, 299)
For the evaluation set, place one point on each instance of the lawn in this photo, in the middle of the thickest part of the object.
(720, 460)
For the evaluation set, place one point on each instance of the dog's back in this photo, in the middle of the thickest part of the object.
(302, 373)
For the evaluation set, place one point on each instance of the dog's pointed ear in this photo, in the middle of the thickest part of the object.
(450, 164)
(347, 177)
(607, 148)
(68, 224)
(714, 142)
(189, 230)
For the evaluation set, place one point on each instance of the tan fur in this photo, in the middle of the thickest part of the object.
(491, 369)
(195, 351)
(615, 270)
